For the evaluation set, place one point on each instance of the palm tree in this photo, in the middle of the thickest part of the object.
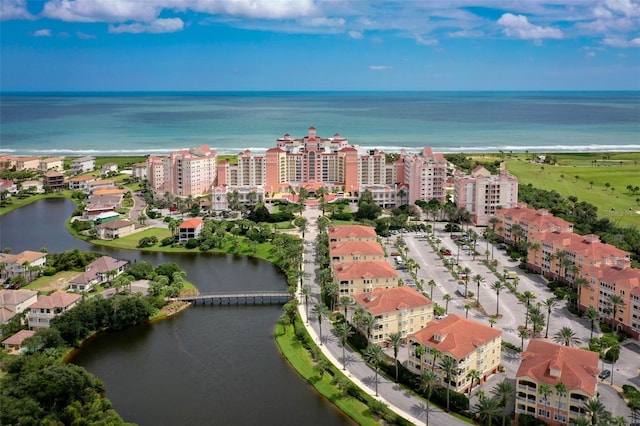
(373, 355)
(368, 323)
(545, 390)
(595, 408)
(578, 283)
(474, 375)
(503, 391)
(561, 389)
(447, 298)
(449, 366)
(527, 296)
(617, 301)
(522, 334)
(466, 310)
(344, 332)
(432, 284)
(592, 315)
(566, 336)
(345, 302)
(319, 309)
(478, 279)
(306, 292)
(498, 286)
(428, 381)
(492, 321)
(435, 354)
(550, 303)
(395, 339)
(486, 409)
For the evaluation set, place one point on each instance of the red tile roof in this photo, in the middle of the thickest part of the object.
(59, 299)
(19, 337)
(342, 248)
(622, 277)
(381, 301)
(588, 246)
(577, 368)
(455, 335)
(191, 223)
(364, 269)
(15, 297)
(351, 231)
(535, 220)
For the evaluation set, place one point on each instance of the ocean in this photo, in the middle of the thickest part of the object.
(470, 122)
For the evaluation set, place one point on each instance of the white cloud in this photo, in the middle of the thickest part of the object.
(626, 7)
(256, 9)
(356, 35)
(518, 26)
(378, 67)
(465, 34)
(168, 25)
(621, 42)
(85, 36)
(324, 22)
(426, 41)
(14, 9)
(590, 54)
(45, 32)
(103, 10)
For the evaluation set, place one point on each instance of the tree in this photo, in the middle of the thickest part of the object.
(368, 322)
(596, 410)
(321, 367)
(503, 391)
(566, 336)
(617, 301)
(373, 355)
(319, 310)
(474, 375)
(561, 389)
(478, 278)
(522, 334)
(301, 223)
(486, 410)
(428, 381)
(432, 283)
(550, 303)
(544, 389)
(344, 332)
(449, 366)
(527, 296)
(592, 315)
(447, 298)
(395, 339)
(497, 287)
(466, 310)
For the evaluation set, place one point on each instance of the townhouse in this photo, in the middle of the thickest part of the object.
(51, 163)
(521, 222)
(47, 308)
(554, 382)
(351, 233)
(364, 276)
(472, 345)
(396, 310)
(352, 251)
(26, 163)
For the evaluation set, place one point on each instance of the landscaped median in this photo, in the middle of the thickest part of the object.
(307, 359)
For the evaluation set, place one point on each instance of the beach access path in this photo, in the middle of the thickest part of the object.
(400, 400)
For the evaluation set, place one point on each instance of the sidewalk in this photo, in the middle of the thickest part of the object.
(359, 372)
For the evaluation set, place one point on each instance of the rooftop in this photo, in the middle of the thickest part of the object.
(351, 231)
(59, 299)
(355, 247)
(381, 301)
(364, 269)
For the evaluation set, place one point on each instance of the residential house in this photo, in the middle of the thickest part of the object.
(48, 307)
(352, 233)
(51, 163)
(80, 183)
(54, 180)
(33, 186)
(107, 168)
(14, 343)
(83, 165)
(100, 271)
(26, 264)
(396, 310)
(93, 210)
(110, 191)
(364, 276)
(554, 382)
(14, 302)
(473, 345)
(26, 163)
(115, 229)
(190, 229)
(8, 188)
(353, 251)
(139, 171)
(103, 183)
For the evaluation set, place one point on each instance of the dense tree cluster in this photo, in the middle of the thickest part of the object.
(467, 164)
(71, 260)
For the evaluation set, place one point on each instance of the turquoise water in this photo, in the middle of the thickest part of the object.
(142, 123)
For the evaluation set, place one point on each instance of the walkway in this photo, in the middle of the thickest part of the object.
(399, 400)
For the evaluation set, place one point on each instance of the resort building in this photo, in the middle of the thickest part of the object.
(554, 382)
(189, 172)
(48, 307)
(521, 222)
(26, 163)
(14, 302)
(110, 230)
(190, 229)
(364, 276)
(353, 251)
(52, 163)
(83, 165)
(472, 345)
(100, 271)
(426, 175)
(250, 170)
(604, 281)
(139, 171)
(27, 264)
(219, 199)
(54, 180)
(396, 310)
(351, 233)
(482, 193)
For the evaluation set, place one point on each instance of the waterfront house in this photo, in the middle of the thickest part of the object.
(107, 168)
(473, 345)
(352, 233)
(46, 308)
(543, 368)
(14, 302)
(54, 180)
(190, 229)
(80, 183)
(92, 210)
(33, 186)
(8, 188)
(100, 271)
(396, 310)
(364, 276)
(14, 343)
(27, 264)
(83, 165)
(113, 229)
(353, 251)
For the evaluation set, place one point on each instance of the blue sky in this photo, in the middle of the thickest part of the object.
(140, 45)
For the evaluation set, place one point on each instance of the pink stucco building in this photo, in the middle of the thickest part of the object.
(182, 173)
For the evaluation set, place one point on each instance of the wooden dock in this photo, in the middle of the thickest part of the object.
(237, 298)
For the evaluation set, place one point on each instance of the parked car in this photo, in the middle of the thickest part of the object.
(501, 247)
(604, 374)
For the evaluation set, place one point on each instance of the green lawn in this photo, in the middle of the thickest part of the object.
(122, 162)
(59, 281)
(562, 178)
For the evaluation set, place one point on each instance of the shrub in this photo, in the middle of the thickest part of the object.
(191, 243)
(49, 271)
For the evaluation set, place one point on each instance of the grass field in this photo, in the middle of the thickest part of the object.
(602, 183)
(59, 281)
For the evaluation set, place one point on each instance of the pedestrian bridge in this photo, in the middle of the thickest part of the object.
(237, 298)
